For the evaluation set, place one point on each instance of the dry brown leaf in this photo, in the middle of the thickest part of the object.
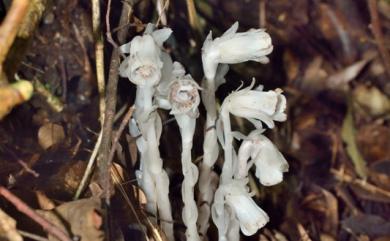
(380, 174)
(373, 140)
(82, 216)
(385, 238)
(370, 225)
(50, 134)
(44, 202)
(304, 236)
(371, 99)
(326, 237)
(344, 76)
(8, 230)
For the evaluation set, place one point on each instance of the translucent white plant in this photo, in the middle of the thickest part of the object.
(257, 106)
(184, 100)
(143, 68)
(270, 163)
(235, 196)
(163, 83)
(233, 48)
(230, 48)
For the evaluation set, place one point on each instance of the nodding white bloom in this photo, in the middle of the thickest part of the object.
(143, 65)
(256, 106)
(233, 47)
(270, 163)
(235, 194)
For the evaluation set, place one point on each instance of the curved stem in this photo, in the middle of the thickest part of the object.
(153, 174)
(190, 172)
(227, 169)
(210, 155)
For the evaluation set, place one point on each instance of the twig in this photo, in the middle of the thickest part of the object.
(28, 169)
(88, 170)
(32, 236)
(376, 29)
(162, 17)
(118, 134)
(113, 75)
(99, 45)
(262, 13)
(24, 208)
(108, 27)
(53, 101)
(10, 26)
(192, 16)
(343, 177)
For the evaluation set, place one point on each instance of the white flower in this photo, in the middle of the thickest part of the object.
(250, 216)
(270, 163)
(233, 47)
(184, 96)
(256, 106)
(143, 65)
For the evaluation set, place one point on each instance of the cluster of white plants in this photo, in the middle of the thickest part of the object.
(162, 83)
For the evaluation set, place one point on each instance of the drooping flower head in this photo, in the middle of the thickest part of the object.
(233, 47)
(143, 65)
(270, 163)
(235, 194)
(256, 105)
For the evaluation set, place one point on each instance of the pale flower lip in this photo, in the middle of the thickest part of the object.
(233, 47)
(256, 106)
(143, 66)
(270, 163)
(250, 216)
(184, 96)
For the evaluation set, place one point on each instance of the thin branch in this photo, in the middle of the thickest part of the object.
(24, 208)
(118, 134)
(10, 26)
(108, 26)
(99, 56)
(376, 29)
(88, 170)
(103, 160)
(32, 236)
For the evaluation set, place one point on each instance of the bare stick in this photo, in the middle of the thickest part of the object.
(10, 26)
(88, 170)
(108, 26)
(118, 134)
(24, 208)
(32, 236)
(99, 45)
(103, 160)
(376, 29)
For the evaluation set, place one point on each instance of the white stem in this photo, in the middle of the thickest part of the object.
(227, 169)
(210, 155)
(155, 182)
(190, 172)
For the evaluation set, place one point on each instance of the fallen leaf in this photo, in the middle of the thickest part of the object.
(373, 140)
(371, 99)
(348, 134)
(380, 174)
(82, 216)
(8, 230)
(304, 236)
(370, 225)
(50, 134)
(44, 202)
